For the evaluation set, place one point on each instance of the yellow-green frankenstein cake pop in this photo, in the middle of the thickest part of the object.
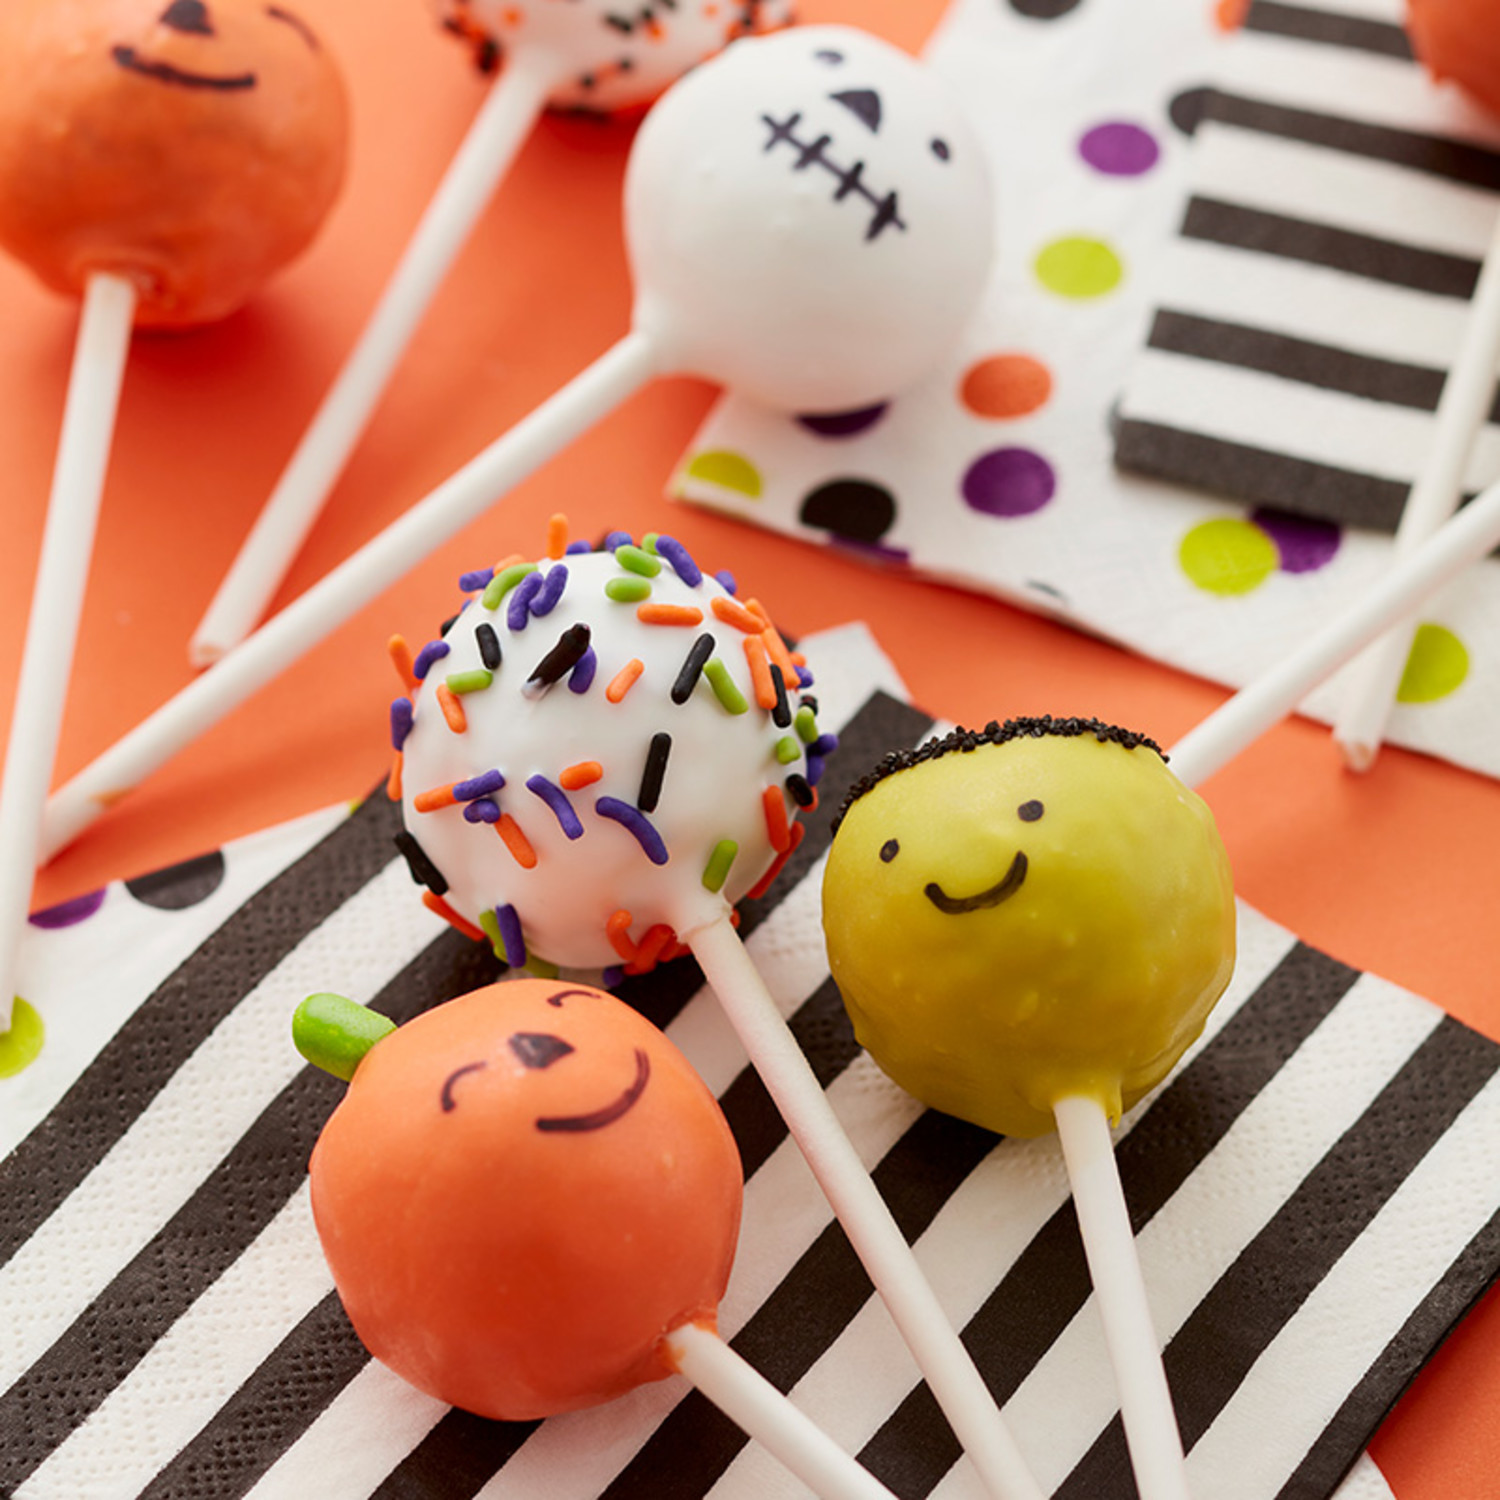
(1026, 912)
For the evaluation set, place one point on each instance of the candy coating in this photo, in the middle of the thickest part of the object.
(521, 1193)
(192, 147)
(1048, 915)
(1459, 39)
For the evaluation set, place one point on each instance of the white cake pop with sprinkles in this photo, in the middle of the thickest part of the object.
(601, 750)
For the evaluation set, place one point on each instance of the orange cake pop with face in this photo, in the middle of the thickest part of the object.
(1460, 39)
(523, 1192)
(192, 146)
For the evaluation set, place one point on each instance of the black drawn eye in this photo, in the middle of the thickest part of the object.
(833, 59)
(1029, 812)
(446, 1098)
(889, 850)
(940, 148)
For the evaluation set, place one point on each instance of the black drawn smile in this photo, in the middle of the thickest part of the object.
(599, 1118)
(1006, 886)
(132, 61)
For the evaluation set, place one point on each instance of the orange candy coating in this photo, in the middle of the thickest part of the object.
(193, 146)
(506, 1265)
(1460, 39)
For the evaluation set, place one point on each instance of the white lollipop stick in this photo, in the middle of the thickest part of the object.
(1473, 532)
(750, 1400)
(504, 120)
(57, 601)
(341, 593)
(874, 1234)
(1468, 393)
(1115, 1269)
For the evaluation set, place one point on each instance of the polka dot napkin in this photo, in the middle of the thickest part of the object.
(998, 473)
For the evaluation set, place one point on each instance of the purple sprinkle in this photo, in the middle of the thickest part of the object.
(1303, 543)
(680, 559)
(618, 539)
(555, 580)
(431, 652)
(577, 549)
(726, 582)
(823, 746)
(843, 423)
(804, 678)
(471, 583)
(814, 768)
(612, 976)
(66, 913)
(482, 810)
(401, 719)
(633, 820)
(510, 935)
(1009, 482)
(581, 679)
(478, 786)
(1119, 149)
(557, 800)
(518, 607)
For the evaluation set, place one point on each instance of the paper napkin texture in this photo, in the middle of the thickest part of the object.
(1313, 1193)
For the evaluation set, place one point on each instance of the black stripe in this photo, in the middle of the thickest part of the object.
(1434, 155)
(1371, 379)
(1049, 1282)
(1213, 1352)
(1260, 477)
(1253, 229)
(456, 1459)
(1343, 1439)
(175, 1019)
(1357, 33)
(230, 1208)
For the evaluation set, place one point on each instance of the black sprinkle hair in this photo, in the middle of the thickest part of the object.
(964, 740)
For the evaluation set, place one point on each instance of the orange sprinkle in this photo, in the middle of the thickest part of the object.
(624, 679)
(669, 614)
(508, 562)
(732, 612)
(758, 609)
(585, 773)
(401, 659)
(617, 930)
(675, 949)
(762, 885)
(557, 536)
(760, 672)
(650, 948)
(776, 650)
(451, 917)
(453, 710)
(393, 781)
(777, 829)
(516, 841)
(799, 658)
(438, 796)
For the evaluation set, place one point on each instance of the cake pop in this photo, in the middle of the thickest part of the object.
(529, 1202)
(586, 54)
(1459, 39)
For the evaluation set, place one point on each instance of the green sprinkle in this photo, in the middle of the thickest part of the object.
(788, 749)
(541, 968)
(724, 686)
(716, 871)
(649, 541)
(490, 925)
(502, 583)
(806, 725)
(628, 590)
(469, 682)
(635, 560)
(334, 1034)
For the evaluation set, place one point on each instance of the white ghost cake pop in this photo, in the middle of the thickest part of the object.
(600, 751)
(809, 221)
(617, 56)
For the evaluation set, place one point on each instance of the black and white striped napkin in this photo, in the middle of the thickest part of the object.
(1313, 1193)
(1314, 298)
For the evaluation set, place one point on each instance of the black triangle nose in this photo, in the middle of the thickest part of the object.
(863, 103)
(188, 15)
(537, 1049)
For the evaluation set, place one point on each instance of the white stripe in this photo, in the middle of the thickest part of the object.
(1359, 1306)
(199, 1116)
(1364, 1482)
(1392, 11)
(1323, 186)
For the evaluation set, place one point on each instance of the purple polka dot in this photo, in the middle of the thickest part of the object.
(1009, 482)
(68, 913)
(1305, 544)
(841, 424)
(1119, 149)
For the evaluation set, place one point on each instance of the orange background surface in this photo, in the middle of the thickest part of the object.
(1395, 872)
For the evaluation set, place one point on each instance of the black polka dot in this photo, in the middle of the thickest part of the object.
(180, 886)
(1187, 109)
(1043, 10)
(852, 508)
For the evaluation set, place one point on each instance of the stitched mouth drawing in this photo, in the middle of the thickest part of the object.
(850, 180)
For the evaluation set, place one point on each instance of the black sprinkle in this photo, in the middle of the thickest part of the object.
(656, 769)
(992, 734)
(801, 790)
(692, 668)
(489, 645)
(563, 657)
(781, 713)
(447, 625)
(423, 871)
(808, 701)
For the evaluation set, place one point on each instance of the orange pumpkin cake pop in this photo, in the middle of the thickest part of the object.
(1459, 39)
(192, 146)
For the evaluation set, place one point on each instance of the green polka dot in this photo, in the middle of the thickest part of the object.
(1228, 556)
(730, 471)
(1436, 667)
(1079, 267)
(20, 1045)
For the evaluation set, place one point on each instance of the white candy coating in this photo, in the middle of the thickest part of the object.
(716, 773)
(615, 55)
(809, 220)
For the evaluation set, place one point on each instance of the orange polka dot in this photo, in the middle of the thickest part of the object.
(1006, 385)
